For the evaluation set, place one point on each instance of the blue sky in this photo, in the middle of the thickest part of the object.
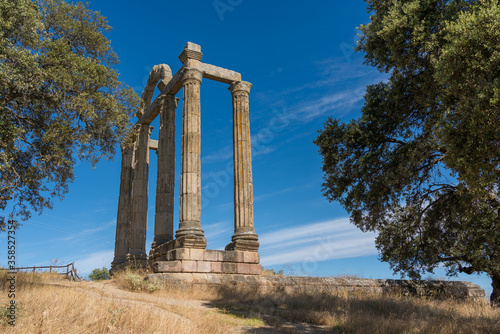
(298, 56)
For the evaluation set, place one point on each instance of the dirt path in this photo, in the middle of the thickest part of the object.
(175, 307)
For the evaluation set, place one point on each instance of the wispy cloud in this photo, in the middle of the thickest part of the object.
(212, 231)
(98, 259)
(339, 103)
(334, 239)
(225, 153)
(274, 193)
(91, 231)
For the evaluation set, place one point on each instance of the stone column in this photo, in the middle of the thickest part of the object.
(139, 219)
(190, 234)
(123, 216)
(165, 186)
(244, 237)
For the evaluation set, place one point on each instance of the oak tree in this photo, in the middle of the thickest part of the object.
(420, 166)
(60, 100)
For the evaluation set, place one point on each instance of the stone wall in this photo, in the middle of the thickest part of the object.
(291, 285)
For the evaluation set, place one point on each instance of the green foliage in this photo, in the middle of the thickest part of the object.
(60, 99)
(421, 164)
(99, 274)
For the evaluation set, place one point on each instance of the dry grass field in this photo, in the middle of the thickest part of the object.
(128, 304)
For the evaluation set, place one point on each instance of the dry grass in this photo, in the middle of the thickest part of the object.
(27, 279)
(351, 313)
(341, 312)
(48, 306)
(137, 306)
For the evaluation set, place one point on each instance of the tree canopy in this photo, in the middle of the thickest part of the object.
(60, 99)
(421, 164)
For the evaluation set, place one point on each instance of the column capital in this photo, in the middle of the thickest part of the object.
(150, 128)
(240, 86)
(168, 99)
(191, 73)
(191, 51)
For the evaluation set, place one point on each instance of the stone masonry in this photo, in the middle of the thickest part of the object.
(184, 251)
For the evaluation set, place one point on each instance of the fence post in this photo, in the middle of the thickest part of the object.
(34, 268)
(50, 269)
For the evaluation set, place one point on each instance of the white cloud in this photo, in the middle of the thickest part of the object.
(95, 260)
(213, 231)
(344, 101)
(334, 239)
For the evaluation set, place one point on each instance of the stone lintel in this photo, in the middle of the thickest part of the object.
(174, 85)
(153, 144)
(219, 74)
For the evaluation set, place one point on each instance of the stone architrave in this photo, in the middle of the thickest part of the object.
(165, 187)
(124, 203)
(139, 216)
(190, 234)
(244, 237)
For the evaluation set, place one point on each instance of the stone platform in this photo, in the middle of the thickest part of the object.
(460, 290)
(165, 259)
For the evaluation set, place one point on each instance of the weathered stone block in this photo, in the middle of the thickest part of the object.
(239, 256)
(167, 266)
(229, 256)
(212, 255)
(250, 257)
(257, 257)
(203, 266)
(229, 268)
(215, 267)
(243, 268)
(196, 254)
(255, 269)
(189, 266)
(179, 254)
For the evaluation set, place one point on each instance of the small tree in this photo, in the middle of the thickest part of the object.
(99, 274)
(421, 164)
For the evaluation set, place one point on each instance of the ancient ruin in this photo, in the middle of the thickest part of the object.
(184, 251)
(182, 257)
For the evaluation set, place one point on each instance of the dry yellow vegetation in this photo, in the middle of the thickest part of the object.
(128, 304)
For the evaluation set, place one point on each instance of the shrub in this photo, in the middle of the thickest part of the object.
(135, 280)
(99, 274)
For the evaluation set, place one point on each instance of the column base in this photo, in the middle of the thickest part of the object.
(191, 241)
(117, 262)
(244, 239)
(158, 241)
(137, 256)
(243, 245)
(190, 235)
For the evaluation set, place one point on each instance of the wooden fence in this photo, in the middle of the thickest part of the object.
(70, 271)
